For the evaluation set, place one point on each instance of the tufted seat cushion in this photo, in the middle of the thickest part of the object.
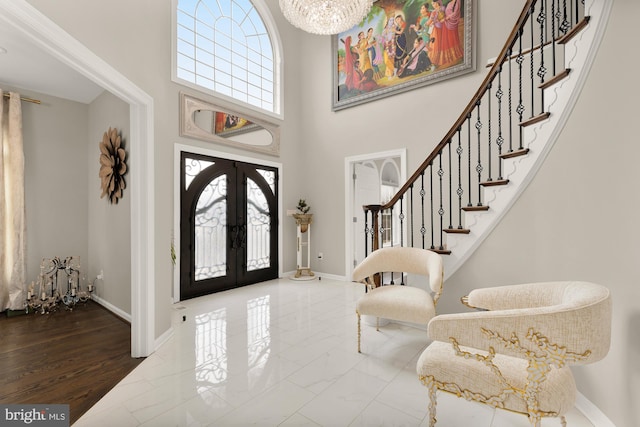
(557, 393)
(403, 303)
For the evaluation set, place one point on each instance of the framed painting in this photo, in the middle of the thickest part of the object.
(230, 124)
(401, 45)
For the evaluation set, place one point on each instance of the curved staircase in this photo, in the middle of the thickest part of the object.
(498, 143)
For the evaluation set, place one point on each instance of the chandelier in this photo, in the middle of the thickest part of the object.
(325, 16)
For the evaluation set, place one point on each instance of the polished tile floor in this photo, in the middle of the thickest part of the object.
(283, 353)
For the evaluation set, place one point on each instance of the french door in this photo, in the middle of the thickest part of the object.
(228, 224)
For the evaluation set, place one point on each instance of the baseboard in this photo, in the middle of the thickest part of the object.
(163, 339)
(592, 412)
(14, 313)
(318, 275)
(112, 308)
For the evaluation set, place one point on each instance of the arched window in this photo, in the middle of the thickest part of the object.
(223, 47)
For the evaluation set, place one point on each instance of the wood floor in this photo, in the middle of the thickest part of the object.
(66, 357)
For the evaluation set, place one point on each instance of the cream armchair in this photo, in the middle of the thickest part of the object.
(516, 354)
(397, 302)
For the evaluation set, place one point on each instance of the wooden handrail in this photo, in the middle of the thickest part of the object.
(504, 54)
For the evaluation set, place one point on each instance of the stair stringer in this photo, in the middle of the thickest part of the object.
(580, 53)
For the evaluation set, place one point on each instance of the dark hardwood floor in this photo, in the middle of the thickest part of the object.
(66, 357)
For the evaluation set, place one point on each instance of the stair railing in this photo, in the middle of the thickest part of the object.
(489, 129)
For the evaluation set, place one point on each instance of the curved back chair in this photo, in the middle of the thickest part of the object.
(398, 302)
(516, 353)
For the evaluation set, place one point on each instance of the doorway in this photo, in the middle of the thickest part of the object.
(228, 224)
(368, 180)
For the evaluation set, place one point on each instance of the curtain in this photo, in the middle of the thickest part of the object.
(12, 209)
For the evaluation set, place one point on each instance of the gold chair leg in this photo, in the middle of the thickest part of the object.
(358, 315)
(432, 400)
(563, 421)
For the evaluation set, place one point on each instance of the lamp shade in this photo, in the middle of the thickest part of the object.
(325, 16)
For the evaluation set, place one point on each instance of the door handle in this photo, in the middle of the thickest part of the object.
(238, 236)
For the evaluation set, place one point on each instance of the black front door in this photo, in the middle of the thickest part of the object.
(228, 224)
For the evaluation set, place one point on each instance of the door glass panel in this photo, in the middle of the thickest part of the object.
(270, 177)
(192, 167)
(211, 230)
(258, 228)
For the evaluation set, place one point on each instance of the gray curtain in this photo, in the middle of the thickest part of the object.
(12, 210)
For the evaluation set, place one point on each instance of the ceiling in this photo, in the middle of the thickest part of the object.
(26, 66)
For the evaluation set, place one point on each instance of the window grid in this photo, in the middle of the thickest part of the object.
(224, 46)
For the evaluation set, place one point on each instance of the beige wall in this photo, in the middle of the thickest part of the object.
(558, 229)
(109, 225)
(577, 219)
(65, 215)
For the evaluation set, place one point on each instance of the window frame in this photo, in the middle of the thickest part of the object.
(276, 46)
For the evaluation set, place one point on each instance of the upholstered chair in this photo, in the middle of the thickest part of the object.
(515, 353)
(399, 302)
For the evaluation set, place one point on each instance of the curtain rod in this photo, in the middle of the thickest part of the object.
(35, 101)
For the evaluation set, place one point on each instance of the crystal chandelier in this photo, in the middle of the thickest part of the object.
(325, 16)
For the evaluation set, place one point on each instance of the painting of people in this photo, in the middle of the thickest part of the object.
(230, 124)
(400, 45)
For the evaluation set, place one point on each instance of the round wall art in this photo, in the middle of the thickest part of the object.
(112, 165)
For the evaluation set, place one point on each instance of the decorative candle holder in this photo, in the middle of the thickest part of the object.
(49, 295)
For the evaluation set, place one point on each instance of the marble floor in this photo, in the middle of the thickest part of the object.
(283, 353)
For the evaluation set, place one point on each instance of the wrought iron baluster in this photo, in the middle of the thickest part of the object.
(510, 104)
(441, 210)
(565, 26)
(366, 232)
(520, 107)
(411, 216)
(499, 139)
(489, 173)
(469, 157)
(531, 72)
(460, 191)
(401, 217)
(479, 167)
(431, 207)
(450, 188)
(423, 230)
(553, 38)
(542, 71)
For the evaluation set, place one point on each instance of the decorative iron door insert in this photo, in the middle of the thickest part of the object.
(228, 224)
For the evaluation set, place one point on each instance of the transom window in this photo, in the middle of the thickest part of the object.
(223, 46)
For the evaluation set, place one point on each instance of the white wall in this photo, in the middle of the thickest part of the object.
(560, 217)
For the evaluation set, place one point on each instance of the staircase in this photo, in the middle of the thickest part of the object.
(495, 147)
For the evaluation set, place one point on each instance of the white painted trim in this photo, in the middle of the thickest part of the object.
(177, 148)
(348, 193)
(112, 308)
(278, 72)
(163, 338)
(591, 412)
(59, 44)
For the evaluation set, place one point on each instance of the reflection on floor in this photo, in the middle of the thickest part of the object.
(283, 353)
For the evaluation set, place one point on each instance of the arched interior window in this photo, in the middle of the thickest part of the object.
(223, 47)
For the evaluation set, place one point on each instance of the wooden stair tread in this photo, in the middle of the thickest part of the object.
(555, 79)
(515, 153)
(457, 230)
(475, 208)
(441, 251)
(535, 119)
(494, 182)
(575, 30)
